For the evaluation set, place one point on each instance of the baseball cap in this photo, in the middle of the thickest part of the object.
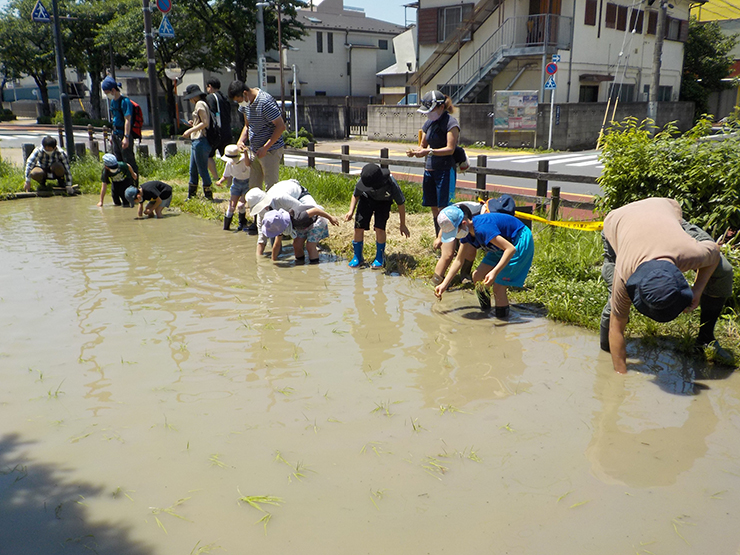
(430, 101)
(110, 160)
(372, 177)
(275, 223)
(109, 83)
(131, 194)
(449, 220)
(659, 290)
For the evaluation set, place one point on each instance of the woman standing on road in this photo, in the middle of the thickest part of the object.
(441, 132)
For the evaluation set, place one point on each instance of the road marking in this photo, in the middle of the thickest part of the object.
(587, 163)
(577, 159)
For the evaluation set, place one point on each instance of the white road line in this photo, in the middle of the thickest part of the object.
(21, 137)
(577, 159)
(587, 163)
(508, 158)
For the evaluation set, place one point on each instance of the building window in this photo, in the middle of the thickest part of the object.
(664, 93)
(330, 43)
(625, 92)
(449, 19)
(652, 23)
(320, 93)
(611, 16)
(588, 93)
(621, 18)
(672, 28)
(319, 41)
(636, 19)
(383, 44)
(590, 17)
(271, 79)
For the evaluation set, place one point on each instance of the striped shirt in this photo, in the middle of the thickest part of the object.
(260, 114)
(39, 157)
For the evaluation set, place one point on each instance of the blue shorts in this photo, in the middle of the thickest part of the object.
(438, 187)
(239, 187)
(515, 272)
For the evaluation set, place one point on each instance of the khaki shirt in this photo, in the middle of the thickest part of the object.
(201, 114)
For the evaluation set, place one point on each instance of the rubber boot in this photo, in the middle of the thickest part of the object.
(502, 312)
(604, 334)
(227, 222)
(484, 297)
(207, 192)
(358, 259)
(192, 191)
(379, 256)
(242, 222)
(466, 275)
(251, 229)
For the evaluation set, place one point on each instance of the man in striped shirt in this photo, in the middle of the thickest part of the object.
(48, 162)
(264, 126)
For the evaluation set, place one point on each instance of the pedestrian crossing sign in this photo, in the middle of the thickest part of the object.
(550, 85)
(39, 13)
(165, 29)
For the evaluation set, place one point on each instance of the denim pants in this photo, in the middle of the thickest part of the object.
(199, 151)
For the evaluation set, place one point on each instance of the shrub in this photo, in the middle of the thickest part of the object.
(6, 115)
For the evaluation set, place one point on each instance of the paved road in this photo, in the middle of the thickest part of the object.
(13, 135)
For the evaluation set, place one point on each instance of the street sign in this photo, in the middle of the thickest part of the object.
(556, 58)
(164, 6)
(39, 13)
(165, 29)
(551, 68)
(550, 85)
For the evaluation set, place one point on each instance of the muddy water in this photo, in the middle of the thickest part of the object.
(153, 373)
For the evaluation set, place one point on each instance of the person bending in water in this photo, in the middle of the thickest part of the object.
(647, 247)
(158, 193)
(120, 175)
(509, 246)
(373, 197)
(306, 224)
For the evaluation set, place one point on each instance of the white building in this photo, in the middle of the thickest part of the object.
(469, 50)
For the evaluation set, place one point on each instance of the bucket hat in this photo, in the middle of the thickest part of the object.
(659, 290)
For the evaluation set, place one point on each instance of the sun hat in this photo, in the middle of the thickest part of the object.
(659, 290)
(232, 154)
(372, 177)
(110, 160)
(109, 83)
(275, 223)
(430, 101)
(449, 220)
(131, 194)
(257, 200)
(191, 91)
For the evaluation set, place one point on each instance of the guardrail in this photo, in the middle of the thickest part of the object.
(542, 176)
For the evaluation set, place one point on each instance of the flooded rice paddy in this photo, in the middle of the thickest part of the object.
(165, 393)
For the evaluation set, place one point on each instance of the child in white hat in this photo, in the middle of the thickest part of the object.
(236, 172)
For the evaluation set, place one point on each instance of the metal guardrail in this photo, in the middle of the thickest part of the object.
(542, 176)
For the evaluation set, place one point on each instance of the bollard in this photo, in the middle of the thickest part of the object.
(90, 133)
(543, 166)
(480, 178)
(384, 154)
(60, 129)
(143, 151)
(27, 150)
(311, 147)
(345, 163)
(95, 150)
(80, 150)
(554, 203)
(170, 149)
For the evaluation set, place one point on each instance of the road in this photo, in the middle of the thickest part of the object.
(13, 135)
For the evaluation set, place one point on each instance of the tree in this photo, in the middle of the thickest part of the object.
(27, 48)
(706, 62)
(236, 21)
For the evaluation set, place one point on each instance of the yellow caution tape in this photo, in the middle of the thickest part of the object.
(583, 226)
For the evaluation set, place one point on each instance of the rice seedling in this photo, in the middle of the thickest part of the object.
(167, 425)
(680, 521)
(377, 494)
(257, 500)
(718, 495)
(170, 511)
(57, 392)
(200, 549)
(449, 408)
(120, 491)
(80, 437)
(566, 494)
(286, 391)
(216, 461)
(265, 519)
(433, 467)
(415, 425)
(334, 420)
(507, 427)
(374, 446)
(21, 469)
(580, 503)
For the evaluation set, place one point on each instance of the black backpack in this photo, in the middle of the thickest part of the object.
(213, 132)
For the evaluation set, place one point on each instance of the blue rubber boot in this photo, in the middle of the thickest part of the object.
(358, 259)
(379, 256)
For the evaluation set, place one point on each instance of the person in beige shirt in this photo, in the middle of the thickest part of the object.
(647, 247)
(200, 148)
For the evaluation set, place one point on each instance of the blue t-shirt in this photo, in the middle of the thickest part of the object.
(119, 109)
(489, 226)
(260, 115)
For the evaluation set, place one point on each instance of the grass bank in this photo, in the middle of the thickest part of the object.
(565, 279)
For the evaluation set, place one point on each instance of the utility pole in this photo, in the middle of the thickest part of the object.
(280, 55)
(62, 80)
(657, 54)
(152, 74)
(261, 71)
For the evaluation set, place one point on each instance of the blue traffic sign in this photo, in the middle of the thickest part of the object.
(556, 58)
(165, 29)
(39, 13)
(551, 68)
(550, 85)
(164, 6)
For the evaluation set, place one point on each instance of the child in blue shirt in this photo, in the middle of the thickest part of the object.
(509, 252)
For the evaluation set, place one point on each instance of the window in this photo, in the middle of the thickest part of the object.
(652, 23)
(664, 93)
(330, 43)
(320, 93)
(588, 93)
(611, 16)
(590, 17)
(383, 44)
(672, 28)
(636, 19)
(271, 79)
(621, 18)
(625, 92)
(319, 41)
(450, 19)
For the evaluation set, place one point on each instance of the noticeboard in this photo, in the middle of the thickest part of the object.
(515, 110)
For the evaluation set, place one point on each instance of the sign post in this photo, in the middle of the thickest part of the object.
(551, 69)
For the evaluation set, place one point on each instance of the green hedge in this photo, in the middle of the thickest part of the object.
(703, 176)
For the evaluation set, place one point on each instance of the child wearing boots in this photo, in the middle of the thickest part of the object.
(374, 194)
(236, 173)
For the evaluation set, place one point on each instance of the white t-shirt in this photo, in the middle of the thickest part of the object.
(237, 171)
